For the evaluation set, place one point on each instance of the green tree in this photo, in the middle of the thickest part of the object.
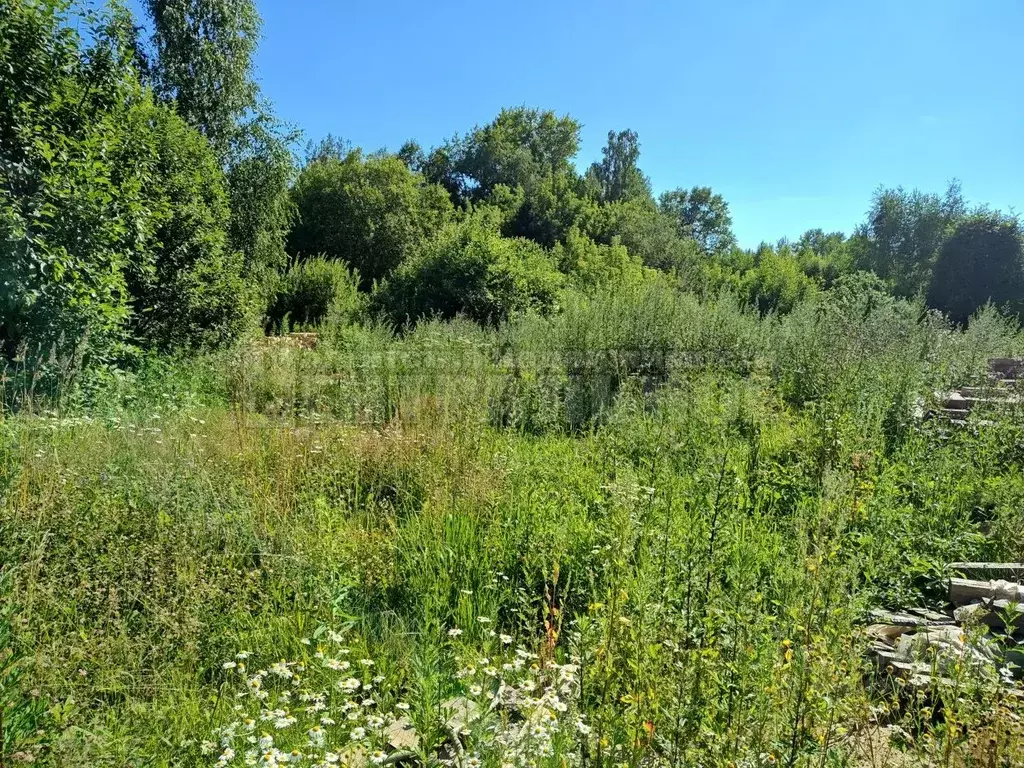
(982, 261)
(70, 214)
(644, 230)
(203, 61)
(700, 215)
(589, 265)
(469, 269)
(113, 213)
(823, 257)
(617, 176)
(776, 283)
(903, 233)
(370, 212)
(186, 285)
(522, 149)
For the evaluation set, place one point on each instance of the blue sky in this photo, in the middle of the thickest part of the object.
(794, 111)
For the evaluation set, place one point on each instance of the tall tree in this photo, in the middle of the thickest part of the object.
(370, 212)
(523, 154)
(981, 261)
(903, 233)
(617, 176)
(203, 61)
(700, 215)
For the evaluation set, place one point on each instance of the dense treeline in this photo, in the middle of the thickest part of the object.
(149, 200)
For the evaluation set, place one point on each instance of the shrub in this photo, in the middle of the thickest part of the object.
(982, 261)
(187, 286)
(311, 291)
(369, 212)
(589, 265)
(468, 268)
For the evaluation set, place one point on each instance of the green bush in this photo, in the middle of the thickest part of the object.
(312, 291)
(469, 269)
(187, 285)
(369, 212)
(113, 217)
(589, 265)
(981, 261)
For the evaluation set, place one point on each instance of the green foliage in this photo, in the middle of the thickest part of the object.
(700, 215)
(903, 233)
(372, 213)
(203, 61)
(589, 265)
(258, 180)
(70, 213)
(982, 261)
(312, 290)
(114, 219)
(526, 151)
(617, 176)
(187, 287)
(469, 269)
(644, 230)
(776, 283)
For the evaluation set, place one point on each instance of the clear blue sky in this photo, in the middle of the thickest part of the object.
(794, 111)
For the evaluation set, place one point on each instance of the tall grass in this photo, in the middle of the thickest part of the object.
(693, 505)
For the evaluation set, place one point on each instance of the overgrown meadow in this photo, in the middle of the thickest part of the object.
(653, 524)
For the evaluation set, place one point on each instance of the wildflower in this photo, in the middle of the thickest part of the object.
(375, 721)
(335, 637)
(454, 632)
(337, 665)
(367, 702)
(351, 684)
(357, 734)
(331, 757)
(316, 736)
(505, 639)
(366, 662)
(473, 761)
(325, 721)
(281, 669)
(266, 742)
(377, 757)
(295, 756)
(305, 641)
(229, 665)
(475, 690)
(402, 706)
(583, 728)
(379, 679)
(483, 619)
(207, 747)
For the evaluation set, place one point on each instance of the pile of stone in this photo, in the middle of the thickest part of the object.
(1003, 387)
(983, 627)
